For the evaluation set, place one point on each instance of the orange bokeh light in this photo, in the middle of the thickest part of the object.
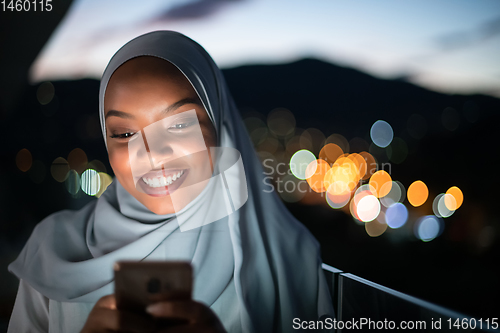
(330, 153)
(456, 193)
(370, 165)
(317, 179)
(381, 182)
(417, 193)
(342, 177)
(360, 164)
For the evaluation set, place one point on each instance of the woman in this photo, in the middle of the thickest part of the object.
(188, 185)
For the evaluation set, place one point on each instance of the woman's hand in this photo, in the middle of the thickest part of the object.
(105, 317)
(191, 316)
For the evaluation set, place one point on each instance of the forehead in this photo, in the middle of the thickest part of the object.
(144, 69)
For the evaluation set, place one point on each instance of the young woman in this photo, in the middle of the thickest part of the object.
(188, 186)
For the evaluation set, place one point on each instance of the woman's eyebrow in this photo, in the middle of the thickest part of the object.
(176, 105)
(170, 108)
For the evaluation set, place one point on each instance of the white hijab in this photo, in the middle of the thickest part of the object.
(273, 258)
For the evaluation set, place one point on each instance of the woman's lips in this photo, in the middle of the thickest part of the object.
(159, 183)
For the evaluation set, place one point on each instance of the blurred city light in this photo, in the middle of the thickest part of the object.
(24, 160)
(381, 181)
(77, 160)
(300, 162)
(396, 215)
(317, 170)
(455, 201)
(90, 182)
(59, 169)
(427, 228)
(417, 193)
(381, 133)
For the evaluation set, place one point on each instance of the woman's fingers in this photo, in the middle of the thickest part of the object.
(185, 316)
(104, 317)
(108, 302)
(188, 310)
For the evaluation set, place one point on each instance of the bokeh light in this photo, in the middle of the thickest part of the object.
(417, 193)
(24, 160)
(290, 189)
(59, 169)
(358, 144)
(90, 182)
(381, 133)
(45, 93)
(257, 129)
(330, 153)
(397, 151)
(455, 201)
(375, 228)
(339, 140)
(427, 228)
(396, 215)
(300, 162)
(72, 183)
(381, 181)
(77, 160)
(281, 122)
(371, 165)
(337, 201)
(394, 193)
(342, 177)
(105, 181)
(439, 208)
(361, 192)
(317, 170)
(368, 208)
(315, 137)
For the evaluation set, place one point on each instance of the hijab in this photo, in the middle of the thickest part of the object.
(272, 258)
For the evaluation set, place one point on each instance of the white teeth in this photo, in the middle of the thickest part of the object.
(162, 181)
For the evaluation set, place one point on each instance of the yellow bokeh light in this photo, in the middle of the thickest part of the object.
(316, 178)
(417, 193)
(105, 181)
(456, 194)
(360, 164)
(381, 182)
(342, 177)
(24, 160)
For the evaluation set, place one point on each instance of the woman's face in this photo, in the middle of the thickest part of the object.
(158, 134)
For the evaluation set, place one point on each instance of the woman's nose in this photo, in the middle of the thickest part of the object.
(158, 145)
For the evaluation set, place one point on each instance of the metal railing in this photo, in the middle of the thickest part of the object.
(362, 305)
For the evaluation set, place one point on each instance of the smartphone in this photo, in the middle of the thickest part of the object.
(140, 283)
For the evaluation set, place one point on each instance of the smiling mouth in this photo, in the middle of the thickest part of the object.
(162, 180)
(159, 183)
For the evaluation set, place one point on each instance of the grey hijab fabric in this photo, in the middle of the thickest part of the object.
(273, 259)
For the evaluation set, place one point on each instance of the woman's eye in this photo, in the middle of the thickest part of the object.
(180, 126)
(122, 136)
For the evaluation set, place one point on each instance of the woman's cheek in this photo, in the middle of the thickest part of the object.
(119, 161)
